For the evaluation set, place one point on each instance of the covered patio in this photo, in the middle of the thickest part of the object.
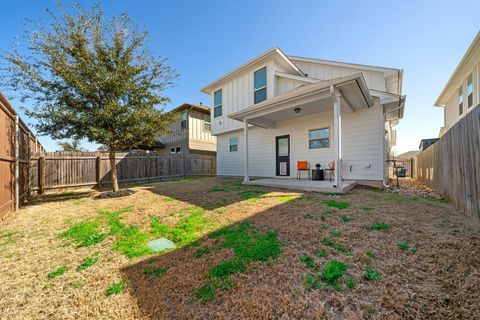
(342, 95)
(304, 185)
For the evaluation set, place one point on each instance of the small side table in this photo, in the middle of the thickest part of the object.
(318, 174)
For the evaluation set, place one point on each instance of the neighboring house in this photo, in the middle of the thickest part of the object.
(462, 91)
(191, 133)
(425, 143)
(276, 109)
(408, 154)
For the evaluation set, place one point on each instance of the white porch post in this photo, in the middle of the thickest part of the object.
(337, 136)
(246, 178)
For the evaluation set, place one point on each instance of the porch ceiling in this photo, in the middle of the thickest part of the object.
(310, 98)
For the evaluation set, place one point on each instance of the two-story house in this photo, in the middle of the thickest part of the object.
(191, 133)
(276, 110)
(462, 91)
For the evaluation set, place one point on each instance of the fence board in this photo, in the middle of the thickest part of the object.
(452, 165)
(76, 169)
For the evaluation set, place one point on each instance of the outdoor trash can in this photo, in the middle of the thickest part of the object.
(318, 174)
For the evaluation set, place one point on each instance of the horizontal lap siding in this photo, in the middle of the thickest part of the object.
(362, 146)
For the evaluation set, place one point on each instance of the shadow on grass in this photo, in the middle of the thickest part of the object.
(204, 279)
(60, 196)
(220, 192)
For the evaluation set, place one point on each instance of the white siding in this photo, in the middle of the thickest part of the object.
(374, 79)
(199, 138)
(451, 114)
(362, 146)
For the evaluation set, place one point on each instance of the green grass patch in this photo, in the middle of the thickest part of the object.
(345, 218)
(341, 205)
(404, 246)
(370, 273)
(168, 199)
(67, 194)
(321, 253)
(308, 261)
(154, 272)
(371, 255)
(350, 283)
(131, 241)
(378, 225)
(251, 195)
(249, 245)
(84, 234)
(7, 237)
(201, 252)
(57, 273)
(288, 198)
(311, 282)
(87, 263)
(336, 234)
(218, 189)
(332, 272)
(336, 245)
(116, 288)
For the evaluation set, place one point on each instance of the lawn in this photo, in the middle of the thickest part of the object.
(242, 252)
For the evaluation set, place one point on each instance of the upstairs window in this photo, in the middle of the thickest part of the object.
(460, 101)
(260, 85)
(207, 125)
(217, 103)
(319, 138)
(184, 119)
(175, 150)
(233, 144)
(470, 91)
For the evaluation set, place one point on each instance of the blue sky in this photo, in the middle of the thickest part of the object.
(205, 39)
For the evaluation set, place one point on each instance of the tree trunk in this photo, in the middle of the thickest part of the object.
(113, 170)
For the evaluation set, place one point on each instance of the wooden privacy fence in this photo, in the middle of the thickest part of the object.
(16, 144)
(63, 170)
(452, 165)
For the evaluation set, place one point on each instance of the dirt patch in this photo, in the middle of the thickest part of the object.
(115, 194)
(437, 280)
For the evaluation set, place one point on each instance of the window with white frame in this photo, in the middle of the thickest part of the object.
(319, 138)
(184, 119)
(217, 103)
(172, 150)
(207, 125)
(233, 144)
(175, 150)
(470, 91)
(260, 85)
(460, 101)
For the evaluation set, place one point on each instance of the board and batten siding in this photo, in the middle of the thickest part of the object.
(199, 138)
(451, 113)
(362, 146)
(237, 94)
(374, 79)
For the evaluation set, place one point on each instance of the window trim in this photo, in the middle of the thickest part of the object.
(470, 77)
(460, 105)
(205, 123)
(329, 138)
(218, 105)
(184, 121)
(175, 150)
(230, 144)
(255, 90)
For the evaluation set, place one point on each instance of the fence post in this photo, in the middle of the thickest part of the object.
(147, 166)
(98, 169)
(184, 167)
(29, 165)
(41, 175)
(17, 164)
(411, 167)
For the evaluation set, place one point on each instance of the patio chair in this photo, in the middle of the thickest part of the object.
(303, 166)
(331, 169)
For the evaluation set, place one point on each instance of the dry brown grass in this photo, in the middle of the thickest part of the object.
(440, 280)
